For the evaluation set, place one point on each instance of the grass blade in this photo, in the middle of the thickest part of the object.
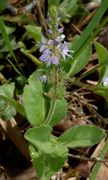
(90, 38)
(98, 164)
(6, 38)
(91, 26)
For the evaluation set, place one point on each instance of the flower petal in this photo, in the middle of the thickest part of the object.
(43, 40)
(43, 78)
(44, 57)
(54, 60)
(105, 81)
(42, 48)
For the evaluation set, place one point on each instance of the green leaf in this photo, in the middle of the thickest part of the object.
(34, 100)
(102, 91)
(81, 61)
(67, 9)
(13, 44)
(60, 111)
(7, 90)
(12, 102)
(40, 138)
(47, 165)
(3, 4)
(7, 111)
(82, 136)
(9, 30)
(49, 152)
(48, 156)
(8, 105)
(103, 60)
(6, 38)
(20, 82)
(34, 31)
(2, 105)
(91, 26)
(54, 3)
(89, 33)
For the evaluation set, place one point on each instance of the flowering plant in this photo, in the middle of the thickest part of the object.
(45, 105)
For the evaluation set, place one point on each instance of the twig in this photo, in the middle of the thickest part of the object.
(96, 152)
(42, 19)
(86, 20)
(91, 159)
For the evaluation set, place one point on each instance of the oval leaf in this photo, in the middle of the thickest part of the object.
(41, 138)
(48, 156)
(6, 110)
(82, 136)
(34, 100)
(34, 31)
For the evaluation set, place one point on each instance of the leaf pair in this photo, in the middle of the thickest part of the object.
(49, 153)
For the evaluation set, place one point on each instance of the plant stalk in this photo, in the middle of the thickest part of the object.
(54, 96)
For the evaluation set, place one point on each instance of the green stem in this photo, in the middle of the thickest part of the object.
(54, 96)
(29, 55)
(51, 111)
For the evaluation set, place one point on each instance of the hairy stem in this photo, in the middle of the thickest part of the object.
(54, 97)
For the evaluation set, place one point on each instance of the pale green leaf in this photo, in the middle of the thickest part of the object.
(9, 30)
(67, 9)
(6, 110)
(6, 39)
(54, 3)
(82, 136)
(34, 31)
(34, 100)
(48, 156)
(12, 102)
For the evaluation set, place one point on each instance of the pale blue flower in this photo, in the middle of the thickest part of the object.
(43, 46)
(43, 78)
(43, 40)
(105, 81)
(51, 42)
(45, 56)
(64, 50)
(60, 38)
(60, 30)
(50, 31)
(54, 60)
(54, 49)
